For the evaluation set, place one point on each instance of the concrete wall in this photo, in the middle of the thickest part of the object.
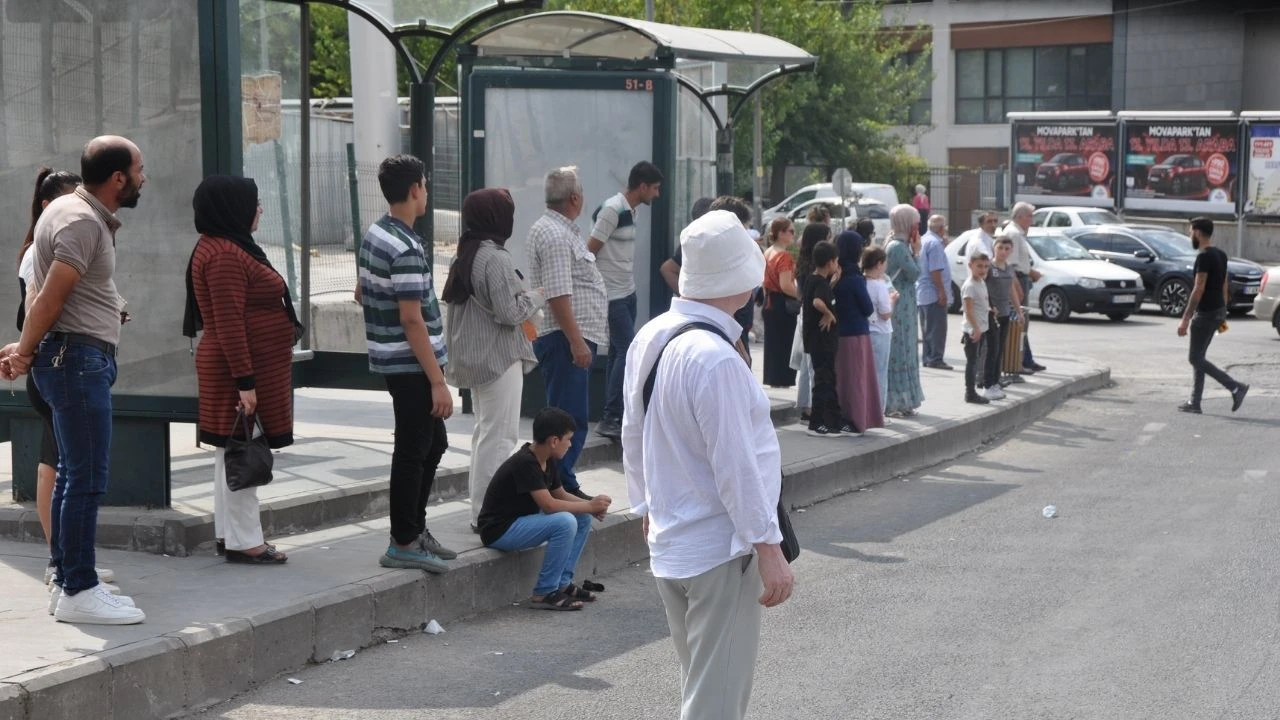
(1261, 58)
(1182, 57)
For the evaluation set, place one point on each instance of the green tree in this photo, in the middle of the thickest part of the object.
(330, 52)
(834, 117)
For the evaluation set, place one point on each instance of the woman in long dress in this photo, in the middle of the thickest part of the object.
(903, 249)
(779, 321)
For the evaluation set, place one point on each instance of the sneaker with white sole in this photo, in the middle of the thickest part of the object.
(55, 592)
(97, 606)
(993, 393)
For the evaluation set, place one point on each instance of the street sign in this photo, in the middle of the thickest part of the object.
(841, 180)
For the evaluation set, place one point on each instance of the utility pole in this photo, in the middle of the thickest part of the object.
(757, 148)
(648, 10)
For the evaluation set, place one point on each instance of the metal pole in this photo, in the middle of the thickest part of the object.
(757, 149)
(422, 101)
(724, 159)
(648, 10)
(304, 193)
(353, 182)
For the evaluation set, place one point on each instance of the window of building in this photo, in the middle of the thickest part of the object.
(990, 83)
(921, 110)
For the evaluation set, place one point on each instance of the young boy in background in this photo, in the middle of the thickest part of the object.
(820, 340)
(977, 323)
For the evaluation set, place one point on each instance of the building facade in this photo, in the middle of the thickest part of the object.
(991, 57)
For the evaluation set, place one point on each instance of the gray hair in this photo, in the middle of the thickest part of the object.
(902, 220)
(920, 189)
(562, 183)
(937, 223)
(1020, 209)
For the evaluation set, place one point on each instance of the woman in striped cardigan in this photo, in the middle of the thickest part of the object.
(489, 351)
(245, 358)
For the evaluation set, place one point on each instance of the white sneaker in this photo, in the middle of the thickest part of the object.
(97, 606)
(993, 393)
(55, 593)
(105, 575)
(48, 574)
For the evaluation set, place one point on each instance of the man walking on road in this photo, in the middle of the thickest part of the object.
(613, 242)
(69, 344)
(1206, 310)
(933, 293)
(1020, 261)
(570, 335)
(703, 468)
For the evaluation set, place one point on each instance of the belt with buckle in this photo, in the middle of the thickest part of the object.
(78, 339)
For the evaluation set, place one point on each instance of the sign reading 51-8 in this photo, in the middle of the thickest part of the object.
(642, 84)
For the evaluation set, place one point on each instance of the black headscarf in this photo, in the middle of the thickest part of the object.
(225, 207)
(850, 245)
(487, 214)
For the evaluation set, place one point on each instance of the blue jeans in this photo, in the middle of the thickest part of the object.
(622, 330)
(565, 535)
(567, 389)
(76, 381)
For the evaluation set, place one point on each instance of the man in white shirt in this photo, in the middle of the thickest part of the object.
(1020, 261)
(981, 237)
(703, 468)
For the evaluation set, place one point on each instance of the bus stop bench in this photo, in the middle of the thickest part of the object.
(140, 472)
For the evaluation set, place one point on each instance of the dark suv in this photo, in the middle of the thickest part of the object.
(1178, 175)
(1165, 259)
(1064, 170)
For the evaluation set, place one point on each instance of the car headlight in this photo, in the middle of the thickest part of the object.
(1091, 283)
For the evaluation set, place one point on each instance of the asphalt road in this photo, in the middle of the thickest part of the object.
(945, 594)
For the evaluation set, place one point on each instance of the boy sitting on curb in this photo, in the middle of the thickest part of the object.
(526, 506)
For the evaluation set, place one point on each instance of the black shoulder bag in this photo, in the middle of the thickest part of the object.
(790, 545)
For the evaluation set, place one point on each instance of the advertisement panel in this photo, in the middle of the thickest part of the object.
(1064, 163)
(1182, 166)
(1262, 196)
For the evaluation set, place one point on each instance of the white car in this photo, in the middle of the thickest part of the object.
(1064, 216)
(864, 208)
(1071, 279)
(795, 200)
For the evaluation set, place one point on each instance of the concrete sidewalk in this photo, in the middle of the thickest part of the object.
(214, 629)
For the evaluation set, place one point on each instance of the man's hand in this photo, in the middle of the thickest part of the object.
(942, 300)
(1034, 275)
(778, 579)
(581, 353)
(441, 400)
(248, 401)
(976, 334)
(600, 506)
(14, 364)
(1182, 328)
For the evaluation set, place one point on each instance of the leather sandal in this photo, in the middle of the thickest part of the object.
(270, 556)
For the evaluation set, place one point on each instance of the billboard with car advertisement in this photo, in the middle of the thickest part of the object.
(1182, 166)
(1262, 195)
(1064, 163)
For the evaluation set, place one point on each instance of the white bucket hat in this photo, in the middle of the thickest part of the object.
(719, 258)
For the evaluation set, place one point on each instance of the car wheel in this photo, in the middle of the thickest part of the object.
(1173, 296)
(1054, 305)
(954, 308)
(1118, 317)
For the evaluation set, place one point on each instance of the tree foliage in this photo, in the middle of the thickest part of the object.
(834, 117)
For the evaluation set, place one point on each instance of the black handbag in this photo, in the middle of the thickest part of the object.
(248, 460)
(790, 543)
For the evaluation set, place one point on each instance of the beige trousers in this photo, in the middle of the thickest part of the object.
(715, 624)
(497, 430)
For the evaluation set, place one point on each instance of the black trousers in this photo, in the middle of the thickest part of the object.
(826, 404)
(1203, 326)
(991, 371)
(420, 444)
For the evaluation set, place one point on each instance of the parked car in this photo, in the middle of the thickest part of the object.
(1165, 260)
(1064, 216)
(1064, 170)
(1266, 306)
(866, 208)
(1071, 280)
(796, 199)
(1178, 175)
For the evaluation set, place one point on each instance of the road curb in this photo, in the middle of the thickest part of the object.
(189, 670)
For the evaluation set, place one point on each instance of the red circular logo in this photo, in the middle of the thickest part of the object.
(1099, 167)
(1217, 169)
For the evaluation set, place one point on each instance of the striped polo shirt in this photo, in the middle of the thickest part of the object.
(393, 267)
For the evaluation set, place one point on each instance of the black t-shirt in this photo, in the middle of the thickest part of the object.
(510, 493)
(815, 338)
(1212, 262)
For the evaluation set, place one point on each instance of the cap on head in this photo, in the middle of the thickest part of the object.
(720, 259)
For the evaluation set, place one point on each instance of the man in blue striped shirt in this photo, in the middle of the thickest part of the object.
(405, 332)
